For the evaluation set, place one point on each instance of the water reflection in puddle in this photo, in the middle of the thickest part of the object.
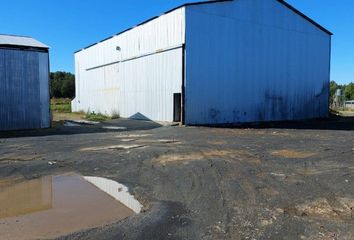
(114, 128)
(57, 205)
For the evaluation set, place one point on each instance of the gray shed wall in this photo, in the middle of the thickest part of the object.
(24, 90)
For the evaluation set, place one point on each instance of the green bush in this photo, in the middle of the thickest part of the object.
(96, 117)
(115, 115)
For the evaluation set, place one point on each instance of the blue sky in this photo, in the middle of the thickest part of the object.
(69, 25)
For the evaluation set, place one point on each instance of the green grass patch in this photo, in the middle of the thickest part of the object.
(64, 108)
(61, 108)
(96, 117)
(61, 105)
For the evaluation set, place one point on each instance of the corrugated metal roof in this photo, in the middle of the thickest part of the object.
(208, 2)
(171, 10)
(12, 40)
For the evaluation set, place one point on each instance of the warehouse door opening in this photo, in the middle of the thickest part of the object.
(177, 108)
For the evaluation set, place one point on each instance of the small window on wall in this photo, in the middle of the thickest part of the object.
(177, 107)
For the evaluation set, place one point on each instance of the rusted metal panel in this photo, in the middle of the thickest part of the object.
(253, 60)
(24, 90)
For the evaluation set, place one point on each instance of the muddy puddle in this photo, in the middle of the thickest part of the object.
(53, 206)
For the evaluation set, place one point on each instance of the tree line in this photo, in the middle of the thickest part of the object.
(347, 90)
(62, 85)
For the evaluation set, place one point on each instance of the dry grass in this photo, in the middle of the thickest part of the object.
(227, 155)
(323, 209)
(288, 153)
(57, 117)
(18, 157)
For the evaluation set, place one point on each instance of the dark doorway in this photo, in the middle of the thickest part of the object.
(177, 102)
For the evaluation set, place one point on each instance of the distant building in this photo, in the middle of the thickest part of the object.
(211, 62)
(24, 83)
(338, 99)
(349, 104)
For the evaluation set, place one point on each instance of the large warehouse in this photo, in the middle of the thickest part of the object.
(214, 62)
(24, 83)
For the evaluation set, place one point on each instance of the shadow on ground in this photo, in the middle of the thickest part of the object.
(58, 128)
(334, 122)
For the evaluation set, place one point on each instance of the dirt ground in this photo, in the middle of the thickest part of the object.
(275, 181)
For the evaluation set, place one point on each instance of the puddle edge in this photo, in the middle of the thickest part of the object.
(111, 188)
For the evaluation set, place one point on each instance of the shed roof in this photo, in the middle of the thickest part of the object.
(171, 10)
(13, 40)
(212, 2)
(304, 16)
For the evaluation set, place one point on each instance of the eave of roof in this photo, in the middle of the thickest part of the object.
(210, 2)
(20, 41)
(24, 48)
(304, 16)
(150, 19)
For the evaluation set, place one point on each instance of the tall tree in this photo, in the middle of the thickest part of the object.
(62, 85)
(349, 91)
(333, 88)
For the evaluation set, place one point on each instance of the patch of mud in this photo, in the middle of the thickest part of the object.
(174, 158)
(53, 206)
(112, 147)
(341, 208)
(227, 155)
(217, 142)
(4, 182)
(19, 157)
(329, 168)
(287, 153)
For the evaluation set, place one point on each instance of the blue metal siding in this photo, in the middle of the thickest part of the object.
(43, 77)
(254, 60)
(24, 90)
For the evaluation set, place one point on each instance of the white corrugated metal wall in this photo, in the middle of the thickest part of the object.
(254, 60)
(139, 79)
